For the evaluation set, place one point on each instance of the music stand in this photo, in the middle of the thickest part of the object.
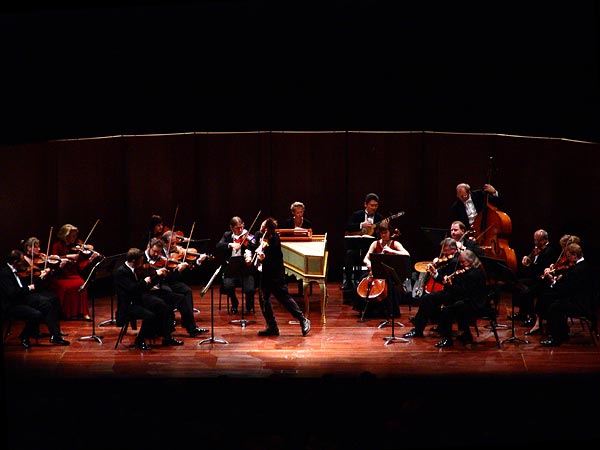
(395, 269)
(212, 310)
(497, 270)
(237, 267)
(101, 270)
(360, 245)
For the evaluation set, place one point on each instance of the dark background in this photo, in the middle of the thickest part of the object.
(282, 101)
(526, 68)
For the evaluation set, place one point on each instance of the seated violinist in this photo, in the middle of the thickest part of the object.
(176, 294)
(386, 244)
(24, 298)
(436, 294)
(68, 278)
(555, 269)
(238, 243)
(463, 238)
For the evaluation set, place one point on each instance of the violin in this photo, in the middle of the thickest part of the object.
(24, 270)
(260, 250)
(527, 260)
(449, 278)
(245, 239)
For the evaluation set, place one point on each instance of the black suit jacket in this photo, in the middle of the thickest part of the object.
(459, 212)
(129, 291)
(358, 217)
(288, 224)
(578, 285)
(12, 294)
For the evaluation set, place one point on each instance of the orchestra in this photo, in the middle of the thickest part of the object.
(61, 269)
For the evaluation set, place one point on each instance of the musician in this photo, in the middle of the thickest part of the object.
(233, 245)
(362, 221)
(174, 279)
(467, 293)
(269, 259)
(155, 256)
(469, 203)
(438, 292)
(68, 279)
(573, 295)
(385, 244)
(458, 232)
(545, 295)
(156, 229)
(297, 220)
(25, 301)
(133, 299)
(530, 284)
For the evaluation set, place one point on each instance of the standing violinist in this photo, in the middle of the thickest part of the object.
(530, 284)
(68, 279)
(272, 280)
(469, 202)
(233, 246)
(389, 245)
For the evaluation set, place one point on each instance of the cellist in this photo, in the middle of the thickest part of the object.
(385, 244)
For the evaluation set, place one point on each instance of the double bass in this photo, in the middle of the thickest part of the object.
(492, 229)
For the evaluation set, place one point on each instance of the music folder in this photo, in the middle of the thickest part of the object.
(385, 265)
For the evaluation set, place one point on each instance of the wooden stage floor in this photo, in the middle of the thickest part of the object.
(339, 387)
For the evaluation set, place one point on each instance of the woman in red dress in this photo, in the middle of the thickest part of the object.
(68, 279)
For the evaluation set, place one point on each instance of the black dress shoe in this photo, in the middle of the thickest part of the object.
(550, 342)
(269, 331)
(171, 342)
(305, 324)
(234, 310)
(533, 331)
(141, 344)
(529, 322)
(445, 343)
(196, 331)
(413, 333)
(58, 340)
(25, 342)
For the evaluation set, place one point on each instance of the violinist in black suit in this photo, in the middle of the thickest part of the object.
(269, 261)
(458, 232)
(469, 203)
(130, 289)
(28, 302)
(574, 294)
(361, 222)
(235, 245)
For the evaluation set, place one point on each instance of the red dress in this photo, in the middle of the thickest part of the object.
(66, 283)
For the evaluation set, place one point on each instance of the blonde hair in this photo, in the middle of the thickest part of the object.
(64, 231)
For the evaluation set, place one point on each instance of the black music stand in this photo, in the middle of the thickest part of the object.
(102, 271)
(359, 244)
(212, 310)
(497, 271)
(236, 267)
(395, 269)
(435, 235)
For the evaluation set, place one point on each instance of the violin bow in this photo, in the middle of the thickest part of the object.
(251, 226)
(88, 236)
(172, 231)
(31, 268)
(48, 248)
(188, 242)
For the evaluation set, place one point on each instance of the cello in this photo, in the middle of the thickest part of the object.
(492, 228)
